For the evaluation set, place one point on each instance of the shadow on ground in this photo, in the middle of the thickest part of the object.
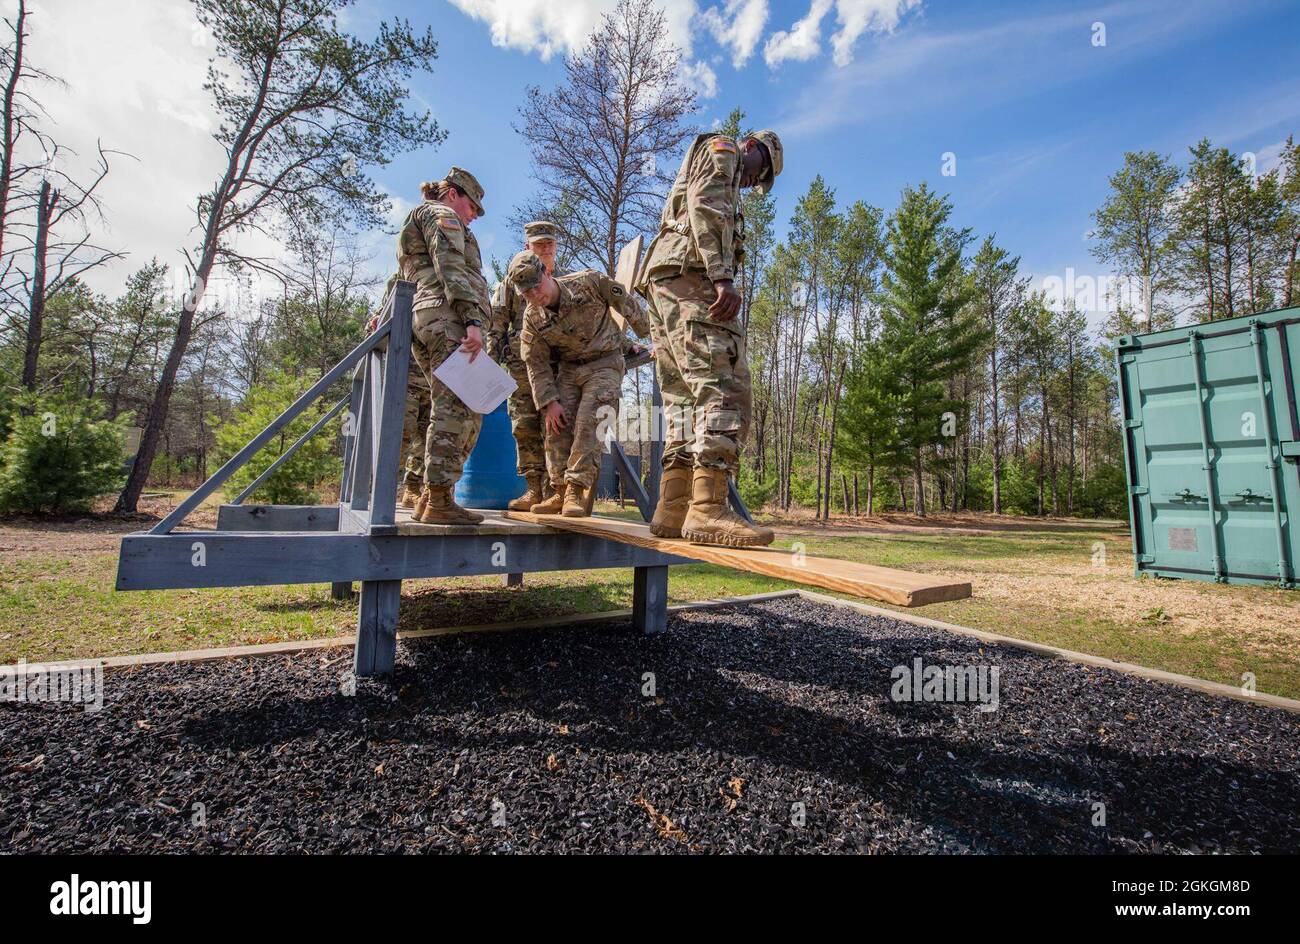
(767, 727)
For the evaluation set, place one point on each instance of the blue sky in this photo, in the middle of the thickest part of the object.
(868, 93)
(1035, 113)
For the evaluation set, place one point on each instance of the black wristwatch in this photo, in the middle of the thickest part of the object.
(473, 323)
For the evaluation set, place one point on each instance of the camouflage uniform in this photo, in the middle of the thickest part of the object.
(701, 364)
(590, 348)
(415, 423)
(437, 252)
(525, 422)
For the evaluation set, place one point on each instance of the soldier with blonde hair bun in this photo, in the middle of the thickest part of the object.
(437, 251)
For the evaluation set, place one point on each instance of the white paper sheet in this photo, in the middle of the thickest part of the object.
(482, 385)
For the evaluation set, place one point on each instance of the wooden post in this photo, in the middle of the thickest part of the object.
(363, 450)
(389, 406)
(350, 436)
(650, 599)
(658, 428)
(341, 590)
(514, 580)
(377, 612)
(380, 440)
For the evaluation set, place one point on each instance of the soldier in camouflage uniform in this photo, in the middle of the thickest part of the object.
(701, 361)
(508, 305)
(570, 316)
(436, 250)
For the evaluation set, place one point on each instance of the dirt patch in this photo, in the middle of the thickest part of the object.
(96, 531)
(966, 524)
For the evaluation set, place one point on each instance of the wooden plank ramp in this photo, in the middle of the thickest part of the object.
(886, 584)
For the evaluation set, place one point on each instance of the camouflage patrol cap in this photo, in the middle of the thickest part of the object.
(540, 229)
(773, 144)
(467, 184)
(526, 270)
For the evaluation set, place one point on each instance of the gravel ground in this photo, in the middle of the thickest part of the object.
(770, 729)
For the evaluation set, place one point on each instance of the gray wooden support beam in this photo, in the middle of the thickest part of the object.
(376, 651)
(341, 590)
(350, 435)
(631, 483)
(218, 478)
(363, 448)
(658, 430)
(278, 518)
(514, 580)
(288, 453)
(390, 404)
(650, 599)
(252, 559)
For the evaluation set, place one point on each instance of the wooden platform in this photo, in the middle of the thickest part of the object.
(899, 587)
(494, 522)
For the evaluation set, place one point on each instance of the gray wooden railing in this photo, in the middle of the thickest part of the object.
(378, 401)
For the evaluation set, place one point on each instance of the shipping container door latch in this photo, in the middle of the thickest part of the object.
(1248, 497)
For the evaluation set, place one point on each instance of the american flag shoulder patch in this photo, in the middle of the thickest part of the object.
(450, 222)
(724, 144)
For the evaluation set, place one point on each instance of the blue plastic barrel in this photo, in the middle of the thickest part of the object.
(490, 479)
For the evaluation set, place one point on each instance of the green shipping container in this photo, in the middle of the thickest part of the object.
(1212, 448)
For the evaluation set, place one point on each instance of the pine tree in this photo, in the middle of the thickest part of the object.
(929, 333)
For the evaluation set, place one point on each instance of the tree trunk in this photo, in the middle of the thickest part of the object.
(156, 418)
(8, 131)
(918, 496)
(36, 310)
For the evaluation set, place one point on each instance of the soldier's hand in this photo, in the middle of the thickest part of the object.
(727, 304)
(556, 418)
(473, 342)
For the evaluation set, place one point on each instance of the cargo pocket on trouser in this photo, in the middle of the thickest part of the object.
(453, 427)
(719, 382)
(597, 415)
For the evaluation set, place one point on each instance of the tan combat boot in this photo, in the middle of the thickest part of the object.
(553, 505)
(531, 497)
(710, 519)
(575, 502)
(410, 495)
(441, 508)
(674, 499)
(421, 503)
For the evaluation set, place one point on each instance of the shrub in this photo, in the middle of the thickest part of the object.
(753, 493)
(295, 482)
(59, 457)
(1105, 494)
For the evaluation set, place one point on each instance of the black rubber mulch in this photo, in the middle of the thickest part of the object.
(544, 741)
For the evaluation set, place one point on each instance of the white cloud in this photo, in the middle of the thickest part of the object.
(803, 40)
(738, 26)
(701, 77)
(133, 73)
(853, 17)
(548, 29)
(539, 26)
